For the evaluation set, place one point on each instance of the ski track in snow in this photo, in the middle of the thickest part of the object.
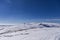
(30, 31)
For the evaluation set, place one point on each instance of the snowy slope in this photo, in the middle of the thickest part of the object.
(30, 31)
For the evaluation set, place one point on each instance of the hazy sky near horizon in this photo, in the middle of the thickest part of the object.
(14, 11)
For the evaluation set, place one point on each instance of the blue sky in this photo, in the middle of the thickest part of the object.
(16, 11)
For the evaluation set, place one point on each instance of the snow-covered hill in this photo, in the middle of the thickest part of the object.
(30, 31)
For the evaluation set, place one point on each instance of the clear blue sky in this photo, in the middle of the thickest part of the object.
(21, 10)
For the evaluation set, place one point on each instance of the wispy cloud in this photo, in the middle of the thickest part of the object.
(51, 20)
(44, 20)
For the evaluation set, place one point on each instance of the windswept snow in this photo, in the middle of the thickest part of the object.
(30, 31)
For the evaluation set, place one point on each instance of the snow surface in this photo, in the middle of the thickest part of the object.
(30, 31)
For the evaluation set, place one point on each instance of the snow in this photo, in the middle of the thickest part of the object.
(30, 31)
